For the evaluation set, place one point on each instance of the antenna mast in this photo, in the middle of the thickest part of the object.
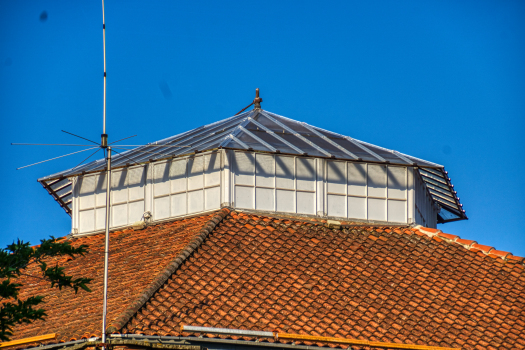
(104, 144)
(104, 45)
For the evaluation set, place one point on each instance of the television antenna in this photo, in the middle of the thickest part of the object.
(107, 149)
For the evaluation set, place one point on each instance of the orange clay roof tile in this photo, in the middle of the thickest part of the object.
(255, 272)
(402, 288)
(484, 248)
(138, 262)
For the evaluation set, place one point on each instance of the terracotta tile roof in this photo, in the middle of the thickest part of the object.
(140, 261)
(391, 284)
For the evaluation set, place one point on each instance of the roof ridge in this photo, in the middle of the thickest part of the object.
(119, 322)
(468, 244)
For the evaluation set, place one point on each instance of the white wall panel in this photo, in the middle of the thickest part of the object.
(119, 214)
(178, 204)
(376, 180)
(357, 207)
(136, 182)
(161, 208)
(244, 197)
(100, 218)
(336, 205)
(195, 173)
(284, 172)
(87, 220)
(244, 168)
(87, 184)
(195, 201)
(161, 184)
(305, 174)
(135, 211)
(212, 198)
(212, 167)
(397, 211)
(100, 196)
(397, 182)
(336, 177)
(357, 179)
(306, 203)
(376, 209)
(285, 201)
(264, 198)
(119, 188)
(87, 201)
(87, 191)
(264, 170)
(178, 176)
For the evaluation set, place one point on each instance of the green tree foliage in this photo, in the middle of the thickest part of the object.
(14, 261)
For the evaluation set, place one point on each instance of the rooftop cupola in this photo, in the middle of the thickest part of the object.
(259, 161)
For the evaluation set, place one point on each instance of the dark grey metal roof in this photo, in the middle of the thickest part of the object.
(263, 131)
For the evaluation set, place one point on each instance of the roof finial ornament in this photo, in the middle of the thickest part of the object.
(257, 100)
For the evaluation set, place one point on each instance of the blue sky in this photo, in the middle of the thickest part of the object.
(439, 80)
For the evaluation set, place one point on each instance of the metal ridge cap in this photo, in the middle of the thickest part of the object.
(219, 340)
(231, 331)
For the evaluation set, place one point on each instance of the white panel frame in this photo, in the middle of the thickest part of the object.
(77, 212)
(186, 191)
(419, 206)
(274, 186)
(367, 195)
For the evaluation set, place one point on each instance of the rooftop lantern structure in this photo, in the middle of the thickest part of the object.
(258, 161)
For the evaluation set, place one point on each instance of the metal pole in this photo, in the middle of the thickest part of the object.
(106, 248)
(104, 144)
(104, 44)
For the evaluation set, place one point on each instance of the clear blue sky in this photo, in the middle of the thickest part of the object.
(439, 80)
